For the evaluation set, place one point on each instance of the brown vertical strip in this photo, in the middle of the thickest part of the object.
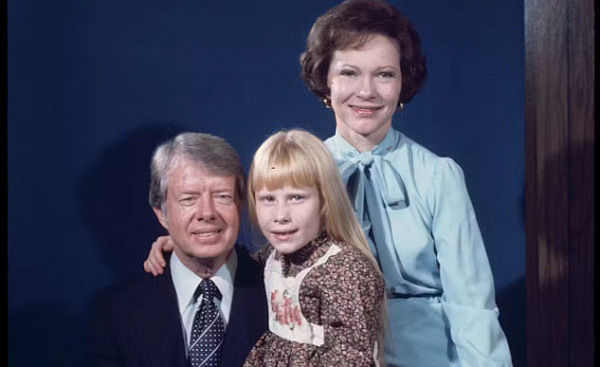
(546, 195)
(581, 175)
(559, 68)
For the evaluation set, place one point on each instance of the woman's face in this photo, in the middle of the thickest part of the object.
(364, 88)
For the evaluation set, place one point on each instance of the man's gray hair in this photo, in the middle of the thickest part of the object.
(217, 156)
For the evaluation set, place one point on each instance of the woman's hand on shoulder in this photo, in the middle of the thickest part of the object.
(155, 263)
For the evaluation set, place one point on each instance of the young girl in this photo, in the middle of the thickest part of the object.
(325, 290)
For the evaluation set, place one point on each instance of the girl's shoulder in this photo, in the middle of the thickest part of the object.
(348, 270)
(352, 262)
(262, 254)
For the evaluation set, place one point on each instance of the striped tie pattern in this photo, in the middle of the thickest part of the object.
(208, 328)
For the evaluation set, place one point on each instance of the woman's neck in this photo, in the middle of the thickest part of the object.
(363, 143)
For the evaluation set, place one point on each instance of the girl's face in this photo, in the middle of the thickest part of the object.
(365, 87)
(289, 217)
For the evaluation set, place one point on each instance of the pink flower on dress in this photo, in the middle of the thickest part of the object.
(286, 313)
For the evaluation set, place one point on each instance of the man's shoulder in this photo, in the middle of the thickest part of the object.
(134, 289)
(245, 256)
(249, 271)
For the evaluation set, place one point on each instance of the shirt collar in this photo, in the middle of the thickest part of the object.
(186, 281)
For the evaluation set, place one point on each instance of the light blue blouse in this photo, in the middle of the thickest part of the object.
(416, 212)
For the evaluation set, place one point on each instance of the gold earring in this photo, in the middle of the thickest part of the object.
(327, 102)
(400, 106)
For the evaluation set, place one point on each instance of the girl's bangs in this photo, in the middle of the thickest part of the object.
(286, 168)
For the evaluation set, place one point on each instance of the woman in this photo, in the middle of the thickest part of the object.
(363, 59)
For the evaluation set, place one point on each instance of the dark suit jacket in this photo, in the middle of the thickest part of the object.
(138, 323)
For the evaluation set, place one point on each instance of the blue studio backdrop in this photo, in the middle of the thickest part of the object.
(94, 86)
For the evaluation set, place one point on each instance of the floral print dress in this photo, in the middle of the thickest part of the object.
(340, 294)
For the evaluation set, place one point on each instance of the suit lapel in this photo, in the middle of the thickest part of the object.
(159, 324)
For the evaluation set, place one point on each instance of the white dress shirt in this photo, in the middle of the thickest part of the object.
(186, 282)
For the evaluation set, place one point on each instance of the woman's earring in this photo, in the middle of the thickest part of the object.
(327, 102)
(400, 106)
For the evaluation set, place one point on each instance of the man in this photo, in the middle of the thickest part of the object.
(210, 308)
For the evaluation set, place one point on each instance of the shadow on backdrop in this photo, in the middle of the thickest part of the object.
(511, 303)
(113, 198)
(114, 207)
(113, 203)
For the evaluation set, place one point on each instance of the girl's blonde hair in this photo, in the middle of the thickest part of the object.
(299, 159)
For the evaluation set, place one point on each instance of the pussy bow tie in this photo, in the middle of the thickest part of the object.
(384, 178)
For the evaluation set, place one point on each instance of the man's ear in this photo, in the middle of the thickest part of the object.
(162, 218)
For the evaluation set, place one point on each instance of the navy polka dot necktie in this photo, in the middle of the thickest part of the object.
(208, 328)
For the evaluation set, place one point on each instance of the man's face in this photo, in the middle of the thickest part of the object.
(201, 213)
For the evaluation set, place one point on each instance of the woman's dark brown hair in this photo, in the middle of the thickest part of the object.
(350, 24)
